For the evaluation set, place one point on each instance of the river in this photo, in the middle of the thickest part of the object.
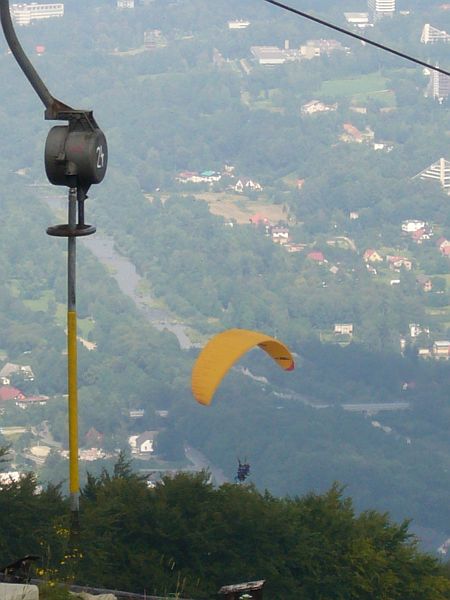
(124, 272)
(130, 284)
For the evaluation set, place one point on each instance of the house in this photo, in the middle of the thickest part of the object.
(323, 46)
(412, 225)
(24, 403)
(194, 177)
(8, 392)
(259, 219)
(137, 413)
(441, 349)
(300, 184)
(359, 20)
(362, 110)
(444, 246)
(382, 146)
(353, 134)
(210, 176)
(280, 235)
(293, 248)
(25, 371)
(371, 255)
(423, 352)
(415, 330)
(268, 55)
(144, 443)
(354, 215)
(247, 185)
(238, 24)
(399, 262)
(188, 177)
(154, 39)
(229, 170)
(343, 328)
(316, 256)
(420, 235)
(425, 283)
(125, 4)
(316, 106)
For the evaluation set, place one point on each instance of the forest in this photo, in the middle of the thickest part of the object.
(185, 538)
(176, 109)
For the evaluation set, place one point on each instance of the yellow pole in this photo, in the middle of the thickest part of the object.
(74, 483)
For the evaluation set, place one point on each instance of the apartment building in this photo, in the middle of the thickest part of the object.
(381, 8)
(25, 14)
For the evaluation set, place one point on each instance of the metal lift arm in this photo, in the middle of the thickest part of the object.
(55, 110)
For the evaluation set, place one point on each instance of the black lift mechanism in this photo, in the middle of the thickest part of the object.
(76, 155)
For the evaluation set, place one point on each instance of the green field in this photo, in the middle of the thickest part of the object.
(360, 89)
(41, 304)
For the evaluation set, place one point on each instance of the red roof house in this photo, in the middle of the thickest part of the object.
(259, 219)
(317, 256)
(8, 392)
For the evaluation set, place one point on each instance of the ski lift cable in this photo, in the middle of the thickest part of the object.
(357, 36)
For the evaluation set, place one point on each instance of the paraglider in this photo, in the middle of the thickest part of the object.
(243, 471)
(223, 350)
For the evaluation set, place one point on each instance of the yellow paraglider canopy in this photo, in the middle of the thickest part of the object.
(223, 350)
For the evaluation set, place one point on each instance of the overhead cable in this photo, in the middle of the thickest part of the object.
(358, 37)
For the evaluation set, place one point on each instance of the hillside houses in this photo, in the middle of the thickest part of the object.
(8, 392)
(397, 263)
(316, 106)
(247, 185)
(317, 257)
(279, 234)
(194, 177)
(11, 369)
(443, 246)
(273, 55)
(353, 134)
(227, 177)
(372, 256)
(424, 282)
(143, 443)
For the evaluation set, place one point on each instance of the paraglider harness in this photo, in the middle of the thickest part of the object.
(243, 472)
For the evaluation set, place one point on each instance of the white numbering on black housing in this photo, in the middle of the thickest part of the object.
(100, 157)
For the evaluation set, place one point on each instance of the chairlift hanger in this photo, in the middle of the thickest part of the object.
(76, 154)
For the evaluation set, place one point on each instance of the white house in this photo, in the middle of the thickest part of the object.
(247, 185)
(343, 328)
(316, 106)
(280, 235)
(415, 330)
(239, 24)
(413, 225)
(143, 443)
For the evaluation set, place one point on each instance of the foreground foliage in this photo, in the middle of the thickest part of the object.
(187, 536)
